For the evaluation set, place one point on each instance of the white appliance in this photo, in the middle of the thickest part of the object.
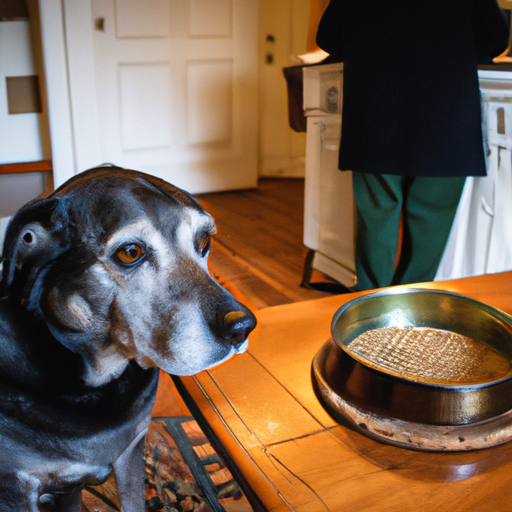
(329, 216)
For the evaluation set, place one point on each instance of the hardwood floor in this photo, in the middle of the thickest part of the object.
(258, 246)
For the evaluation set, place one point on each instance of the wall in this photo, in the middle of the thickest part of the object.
(283, 33)
(21, 123)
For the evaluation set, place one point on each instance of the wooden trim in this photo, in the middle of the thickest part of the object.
(49, 185)
(39, 166)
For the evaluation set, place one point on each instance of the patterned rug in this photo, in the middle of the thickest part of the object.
(183, 474)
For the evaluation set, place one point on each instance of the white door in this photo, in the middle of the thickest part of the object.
(168, 87)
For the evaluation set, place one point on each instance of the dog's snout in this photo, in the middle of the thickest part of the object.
(238, 325)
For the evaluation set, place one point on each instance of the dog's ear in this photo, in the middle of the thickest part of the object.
(36, 234)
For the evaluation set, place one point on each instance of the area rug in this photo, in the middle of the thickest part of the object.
(183, 473)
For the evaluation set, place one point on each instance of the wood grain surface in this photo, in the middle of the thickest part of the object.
(262, 408)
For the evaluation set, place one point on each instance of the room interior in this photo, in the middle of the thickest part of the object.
(278, 447)
(26, 170)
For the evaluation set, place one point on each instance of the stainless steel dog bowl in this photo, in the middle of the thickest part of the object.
(429, 357)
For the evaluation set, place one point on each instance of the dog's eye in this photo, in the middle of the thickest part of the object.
(205, 246)
(129, 254)
(28, 237)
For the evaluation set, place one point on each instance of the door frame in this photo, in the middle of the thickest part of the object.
(75, 144)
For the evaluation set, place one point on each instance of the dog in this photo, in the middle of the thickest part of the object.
(102, 283)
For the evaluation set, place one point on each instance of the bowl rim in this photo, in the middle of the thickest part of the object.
(442, 385)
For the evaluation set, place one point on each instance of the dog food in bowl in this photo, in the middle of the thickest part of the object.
(430, 355)
(424, 356)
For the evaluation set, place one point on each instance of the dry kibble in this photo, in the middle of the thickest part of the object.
(430, 354)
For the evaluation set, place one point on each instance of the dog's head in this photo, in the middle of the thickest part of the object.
(115, 263)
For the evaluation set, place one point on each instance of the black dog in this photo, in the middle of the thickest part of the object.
(101, 283)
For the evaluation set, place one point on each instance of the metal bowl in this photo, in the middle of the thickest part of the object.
(437, 388)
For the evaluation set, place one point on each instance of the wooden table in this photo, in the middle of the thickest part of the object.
(262, 408)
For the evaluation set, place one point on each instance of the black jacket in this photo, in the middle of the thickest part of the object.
(411, 101)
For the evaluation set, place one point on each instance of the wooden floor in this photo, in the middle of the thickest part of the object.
(258, 247)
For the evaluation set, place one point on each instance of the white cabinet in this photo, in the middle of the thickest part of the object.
(481, 238)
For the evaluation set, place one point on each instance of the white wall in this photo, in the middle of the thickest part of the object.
(20, 134)
(20, 140)
(282, 151)
(18, 189)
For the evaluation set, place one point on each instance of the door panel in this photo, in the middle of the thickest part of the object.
(145, 93)
(210, 18)
(209, 100)
(133, 21)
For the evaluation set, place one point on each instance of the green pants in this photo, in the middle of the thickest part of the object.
(428, 205)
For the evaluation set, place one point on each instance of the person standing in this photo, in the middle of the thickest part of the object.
(411, 122)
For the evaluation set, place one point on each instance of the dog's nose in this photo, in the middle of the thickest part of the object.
(238, 325)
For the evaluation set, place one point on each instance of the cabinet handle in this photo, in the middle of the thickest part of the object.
(501, 120)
